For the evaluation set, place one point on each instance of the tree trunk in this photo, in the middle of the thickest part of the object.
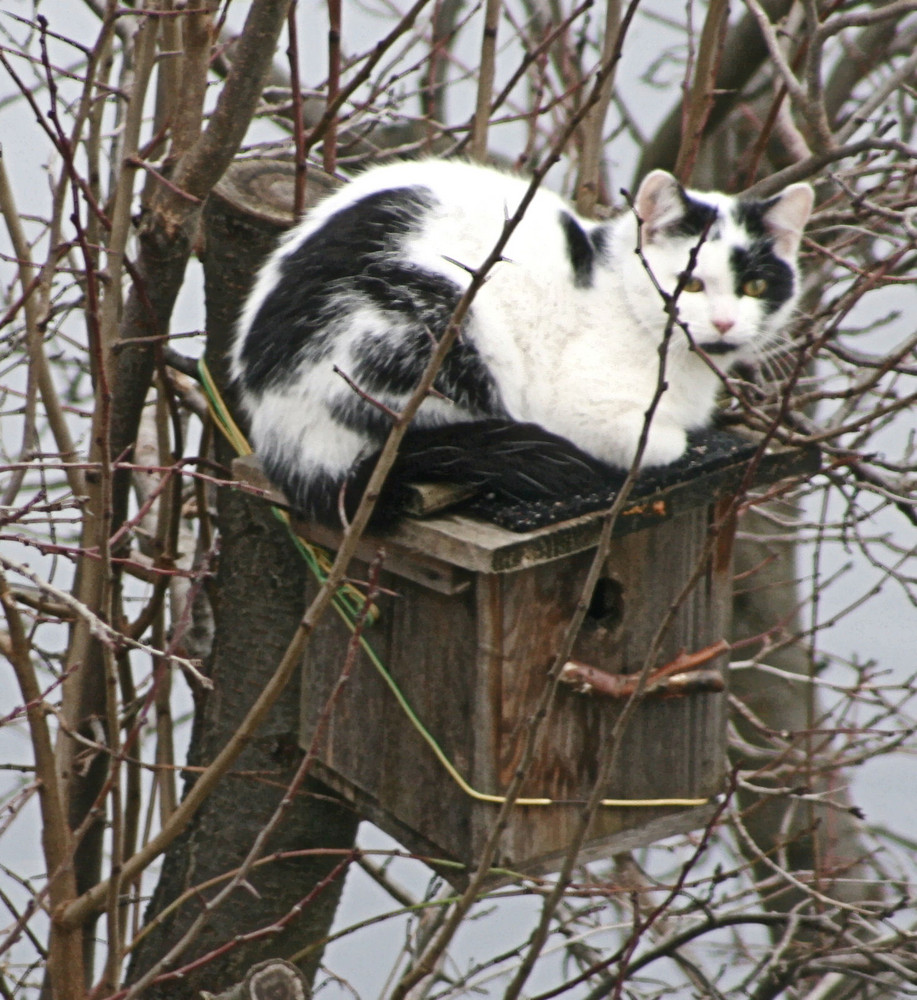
(259, 600)
(826, 841)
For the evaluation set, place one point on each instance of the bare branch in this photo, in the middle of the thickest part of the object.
(478, 150)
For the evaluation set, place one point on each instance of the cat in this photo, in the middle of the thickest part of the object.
(549, 381)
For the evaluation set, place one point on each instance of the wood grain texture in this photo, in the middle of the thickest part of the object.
(473, 665)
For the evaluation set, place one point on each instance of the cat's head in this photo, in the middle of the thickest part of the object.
(741, 291)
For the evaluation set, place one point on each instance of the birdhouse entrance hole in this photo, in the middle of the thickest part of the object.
(606, 607)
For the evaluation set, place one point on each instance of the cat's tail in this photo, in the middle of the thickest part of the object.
(500, 459)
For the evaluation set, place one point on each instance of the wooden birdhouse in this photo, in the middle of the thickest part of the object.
(471, 617)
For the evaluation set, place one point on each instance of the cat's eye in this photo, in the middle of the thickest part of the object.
(693, 285)
(755, 287)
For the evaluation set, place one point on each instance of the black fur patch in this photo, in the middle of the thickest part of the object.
(356, 414)
(399, 287)
(502, 461)
(499, 459)
(580, 250)
(339, 256)
(601, 241)
(760, 261)
(316, 498)
(394, 365)
(697, 218)
(751, 214)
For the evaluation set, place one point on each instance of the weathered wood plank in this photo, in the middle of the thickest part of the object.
(475, 545)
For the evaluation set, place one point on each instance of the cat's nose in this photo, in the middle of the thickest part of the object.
(724, 325)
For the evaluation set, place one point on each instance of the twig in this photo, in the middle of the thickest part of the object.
(299, 135)
(809, 108)
(699, 97)
(680, 676)
(363, 394)
(609, 761)
(486, 73)
(65, 953)
(100, 629)
(593, 126)
(381, 47)
(329, 142)
(39, 373)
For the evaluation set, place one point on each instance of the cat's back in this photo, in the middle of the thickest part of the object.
(445, 215)
(472, 188)
(415, 228)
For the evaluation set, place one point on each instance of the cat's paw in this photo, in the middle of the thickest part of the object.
(620, 438)
(666, 443)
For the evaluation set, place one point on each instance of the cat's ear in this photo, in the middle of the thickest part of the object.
(786, 217)
(660, 201)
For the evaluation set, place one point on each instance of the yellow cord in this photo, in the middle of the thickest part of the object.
(316, 557)
(221, 416)
(463, 784)
(351, 600)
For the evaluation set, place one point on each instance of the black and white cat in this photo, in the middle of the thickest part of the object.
(558, 358)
